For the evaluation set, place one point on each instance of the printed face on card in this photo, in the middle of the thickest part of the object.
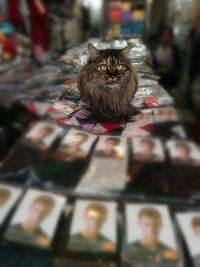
(36, 218)
(93, 227)
(148, 149)
(43, 134)
(189, 224)
(150, 234)
(184, 152)
(76, 145)
(111, 147)
(8, 197)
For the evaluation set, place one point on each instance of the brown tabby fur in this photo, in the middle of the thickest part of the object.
(108, 93)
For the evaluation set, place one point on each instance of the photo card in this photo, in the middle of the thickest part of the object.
(148, 149)
(150, 234)
(94, 227)
(75, 145)
(184, 153)
(36, 218)
(110, 147)
(42, 135)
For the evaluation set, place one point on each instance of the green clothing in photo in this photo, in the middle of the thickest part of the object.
(17, 233)
(136, 250)
(101, 244)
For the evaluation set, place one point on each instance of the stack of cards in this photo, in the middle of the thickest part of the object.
(108, 167)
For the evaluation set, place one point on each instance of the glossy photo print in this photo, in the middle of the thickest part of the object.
(112, 147)
(8, 198)
(93, 227)
(74, 146)
(36, 218)
(147, 149)
(149, 233)
(184, 153)
(189, 224)
(42, 135)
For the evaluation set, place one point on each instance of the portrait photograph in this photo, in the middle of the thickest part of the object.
(149, 233)
(93, 227)
(36, 219)
(42, 135)
(112, 147)
(147, 149)
(184, 152)
(165, 114)
(75, 145)
(8, 198)
(189, 224)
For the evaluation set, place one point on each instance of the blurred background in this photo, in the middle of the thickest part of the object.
(38, 32)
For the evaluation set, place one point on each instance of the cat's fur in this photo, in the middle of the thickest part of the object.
(109, 92)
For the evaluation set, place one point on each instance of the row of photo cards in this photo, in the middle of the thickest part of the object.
(76, 145)
(149, 235)
(82, 161)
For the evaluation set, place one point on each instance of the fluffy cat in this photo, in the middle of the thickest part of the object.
(108, 82)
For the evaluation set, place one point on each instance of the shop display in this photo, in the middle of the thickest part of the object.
(115, 177)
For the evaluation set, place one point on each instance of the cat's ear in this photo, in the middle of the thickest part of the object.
(93, 52)
(126, 51)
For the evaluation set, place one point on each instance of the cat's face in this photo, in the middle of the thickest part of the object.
(109, 67)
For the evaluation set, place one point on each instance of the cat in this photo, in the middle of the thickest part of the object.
(108, 83)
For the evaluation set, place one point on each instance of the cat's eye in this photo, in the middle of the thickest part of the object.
(120, 67)
(103, 67)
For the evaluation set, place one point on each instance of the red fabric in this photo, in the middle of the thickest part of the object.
(34, 11)
(9, 47)
(39, 25)
(14, 12)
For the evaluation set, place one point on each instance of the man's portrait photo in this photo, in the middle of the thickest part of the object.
(42, 135)
(189, 224)
(184, 152)
(93, 227)
(74, 146)
(110, 147)
(150, 234)
(8, 197)
(36, 218)
(148, 149)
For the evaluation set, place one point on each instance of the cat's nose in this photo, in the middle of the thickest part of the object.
(113, 77)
